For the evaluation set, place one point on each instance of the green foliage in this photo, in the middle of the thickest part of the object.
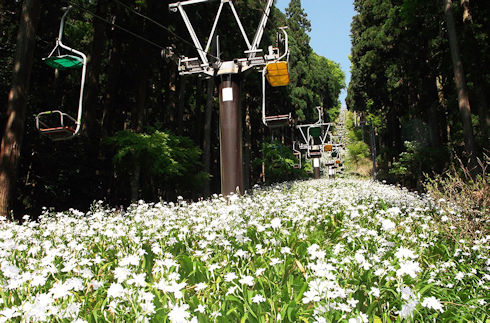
(415, 161)
(279, 163)
(357, 151)
(170, 162)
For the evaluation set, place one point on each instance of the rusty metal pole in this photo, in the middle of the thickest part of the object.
(230, 128)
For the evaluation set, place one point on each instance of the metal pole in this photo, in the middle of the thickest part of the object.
(373, 151)
(230, 135)
(316, 167)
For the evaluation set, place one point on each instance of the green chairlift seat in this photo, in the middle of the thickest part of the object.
(315, 132)
(64, 62)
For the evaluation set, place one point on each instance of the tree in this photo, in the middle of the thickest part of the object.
(17, 101)
(459, 79)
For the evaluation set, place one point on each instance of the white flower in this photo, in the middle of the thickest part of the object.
(459, 276)
(95, 284)
(352, 302)
(200, 286)
(8, 313)
(247, 280)
(148, 307)
(387, 225)
(374, 292)
(229, 277)
(432, 302)
(200, 308)
(138, 280)
(258, 299)
(121, 274)
(408, 267)
(310, 296)
(407, 309)
(231, 290)
(130, 260)
(404, 253)
(361, 318)
(59, 290)
(286, 250)
(259, 271)
(241, 253)
(179, 314)
(116, 290)
(275, 261)
(276, 223)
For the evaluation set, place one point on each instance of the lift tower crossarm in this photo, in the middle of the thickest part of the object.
(174, 6)
(197, 43)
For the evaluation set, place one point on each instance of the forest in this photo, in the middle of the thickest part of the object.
(147, 132)
(420, 80)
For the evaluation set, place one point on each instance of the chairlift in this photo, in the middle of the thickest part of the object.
(55, 124)
(277, 74)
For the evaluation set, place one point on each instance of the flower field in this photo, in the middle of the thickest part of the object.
(313, 251)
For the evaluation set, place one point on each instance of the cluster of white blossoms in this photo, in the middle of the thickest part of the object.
(324, 250)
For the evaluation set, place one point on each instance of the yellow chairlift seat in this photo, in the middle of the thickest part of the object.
(278, 74)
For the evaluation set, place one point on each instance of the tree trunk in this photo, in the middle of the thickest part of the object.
(446, 132)
(197, 114)
(466, 12)
(137, 116)
(93, 72)
(172, 97)
(433, 116)
(17, 101)
(459, 79)
(181, 105)
(206, 146)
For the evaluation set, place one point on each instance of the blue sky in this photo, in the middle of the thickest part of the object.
(330, 30)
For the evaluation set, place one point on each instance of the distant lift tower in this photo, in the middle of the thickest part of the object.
(229, 96)
(314, 141)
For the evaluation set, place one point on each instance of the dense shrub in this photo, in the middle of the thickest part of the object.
(279, 163)
(166, 163)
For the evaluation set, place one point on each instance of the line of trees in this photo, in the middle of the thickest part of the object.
(147, 132)
(408, 79)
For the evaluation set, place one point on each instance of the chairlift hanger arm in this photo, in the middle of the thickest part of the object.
(213, 30)
(261, 27)
(59, 43)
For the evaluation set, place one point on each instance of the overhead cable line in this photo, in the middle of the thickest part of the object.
(117, 26)
(167, 29)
